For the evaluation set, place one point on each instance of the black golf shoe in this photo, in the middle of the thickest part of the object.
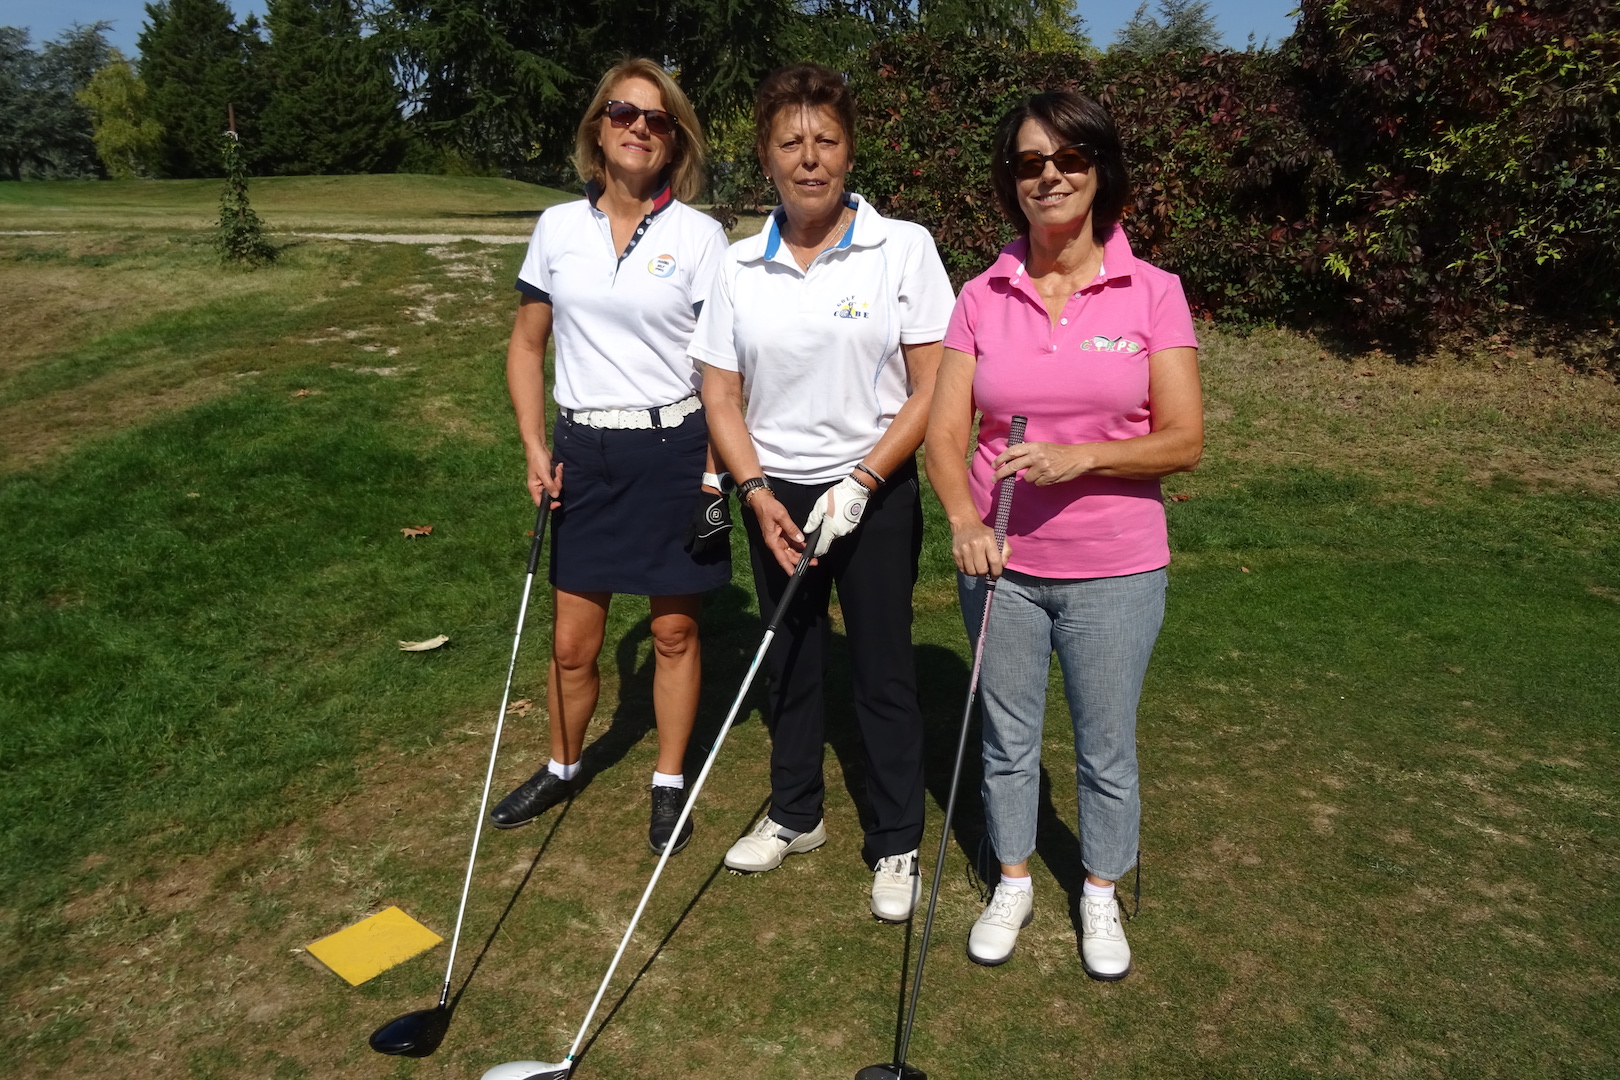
(666, 807)
(532, 798)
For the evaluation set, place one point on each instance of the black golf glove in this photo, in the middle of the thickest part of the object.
(707, 536)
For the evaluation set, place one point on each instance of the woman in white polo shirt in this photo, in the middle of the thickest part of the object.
(826, 327)
(618, 278)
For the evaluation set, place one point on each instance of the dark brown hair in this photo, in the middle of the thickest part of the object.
(800, 86)
(1071, 118)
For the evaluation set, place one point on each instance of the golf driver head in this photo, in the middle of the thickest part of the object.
(416, 1034)
(529, 1070)
(891, 1072)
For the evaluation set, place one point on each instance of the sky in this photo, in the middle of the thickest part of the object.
(1237, 19)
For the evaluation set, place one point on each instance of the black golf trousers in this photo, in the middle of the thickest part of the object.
(875, 569)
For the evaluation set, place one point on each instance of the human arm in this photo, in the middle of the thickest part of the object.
(728, 436)
(526, 382)
(950, 424)
(1174, 443)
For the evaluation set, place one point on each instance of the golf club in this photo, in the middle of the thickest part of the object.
(898, 1069)
(419, 1033)
(547, 1070)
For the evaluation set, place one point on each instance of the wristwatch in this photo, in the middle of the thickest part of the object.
(748, 487)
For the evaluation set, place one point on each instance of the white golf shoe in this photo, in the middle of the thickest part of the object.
(1103, 950)
(765, 847)
(896, 886)
(995, 935)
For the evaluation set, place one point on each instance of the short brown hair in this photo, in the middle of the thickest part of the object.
(685, 169)
(1071, 118)
(804, 85)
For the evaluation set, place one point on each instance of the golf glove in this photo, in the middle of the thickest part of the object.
(837, 512)
(706, 536)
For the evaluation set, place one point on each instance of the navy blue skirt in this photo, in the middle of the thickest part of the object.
(627, 500)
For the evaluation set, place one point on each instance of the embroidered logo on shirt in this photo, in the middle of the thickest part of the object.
(1108, 344)
(661, 265)
(848, 309)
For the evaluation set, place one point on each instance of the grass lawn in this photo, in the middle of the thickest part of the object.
(1378, 737)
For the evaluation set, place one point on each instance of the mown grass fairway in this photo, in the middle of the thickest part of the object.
(1378, 737)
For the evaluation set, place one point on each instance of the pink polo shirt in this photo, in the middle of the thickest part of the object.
(1083, 380)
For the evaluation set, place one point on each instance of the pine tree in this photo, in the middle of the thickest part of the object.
(193, 61)
(1188, 27)
(239, 235)
(332, 104)
(45, 131)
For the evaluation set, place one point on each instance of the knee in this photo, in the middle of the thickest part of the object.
(674, 639)
(575, 652)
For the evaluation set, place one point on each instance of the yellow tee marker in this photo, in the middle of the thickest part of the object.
(373, 945)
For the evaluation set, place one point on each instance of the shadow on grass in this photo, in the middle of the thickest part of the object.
(478, 960)
(669, 936)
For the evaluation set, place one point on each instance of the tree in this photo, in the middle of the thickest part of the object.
(195, 62)
(44, 130)
(126, 136)
(1188, 27)
(332, 105)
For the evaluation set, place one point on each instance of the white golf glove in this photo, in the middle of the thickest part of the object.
(837, 513)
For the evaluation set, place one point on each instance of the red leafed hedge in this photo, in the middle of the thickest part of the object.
(1397, 168)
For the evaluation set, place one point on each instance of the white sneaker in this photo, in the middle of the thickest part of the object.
(1103, 950)
(764, 848)
(896, 886)
(995, 935)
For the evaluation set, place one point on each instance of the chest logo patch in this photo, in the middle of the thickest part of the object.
(661, 265)
(850, 308)
(1108, 344)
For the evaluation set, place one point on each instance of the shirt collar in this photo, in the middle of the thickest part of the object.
(866, 230)
(1118, 260)
(660, 200)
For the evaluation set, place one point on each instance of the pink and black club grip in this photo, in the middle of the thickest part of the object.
(1004, 491)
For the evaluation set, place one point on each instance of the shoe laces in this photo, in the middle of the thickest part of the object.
(1101, 915)
(667, 801)
(1003, 899)
(895, 869)
(766, 829)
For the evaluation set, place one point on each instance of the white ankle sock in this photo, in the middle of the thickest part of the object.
(561, 771)
(1101, 892)
(1022, 884)
(674, 780)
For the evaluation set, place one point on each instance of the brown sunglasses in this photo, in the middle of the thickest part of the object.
(621, 114)
(1029, 164)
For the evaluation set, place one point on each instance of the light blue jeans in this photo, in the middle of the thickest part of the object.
(1102, 630)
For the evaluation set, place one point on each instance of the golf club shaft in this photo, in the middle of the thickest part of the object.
(495, 746)
(1004, 494)
(697, 786)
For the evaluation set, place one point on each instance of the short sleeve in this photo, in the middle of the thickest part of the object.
(710, 256)
(534, 277)
(962, 334)
(715, 339)
(925, 295)
(1172, 326)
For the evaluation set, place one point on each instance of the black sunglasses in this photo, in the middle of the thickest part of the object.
(621, 114)
(1028, 164)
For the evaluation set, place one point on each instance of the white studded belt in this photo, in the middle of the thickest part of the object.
(665, 416)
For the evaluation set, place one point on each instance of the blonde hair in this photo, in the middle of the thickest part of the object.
(685, 169)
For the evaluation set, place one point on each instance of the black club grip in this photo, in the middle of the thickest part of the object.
(1004, 490)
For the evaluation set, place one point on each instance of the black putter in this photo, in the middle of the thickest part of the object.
(418, 1034)
(898, 1069)
(559, 1070)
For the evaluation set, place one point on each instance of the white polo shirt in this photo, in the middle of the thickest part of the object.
(622, 323)
(819, 350)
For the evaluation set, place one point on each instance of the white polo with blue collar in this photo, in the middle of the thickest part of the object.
(819, 349)
(622, 322)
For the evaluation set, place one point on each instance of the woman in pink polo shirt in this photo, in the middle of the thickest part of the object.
(1096, 348)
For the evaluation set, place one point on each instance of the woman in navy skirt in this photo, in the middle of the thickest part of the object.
(617, 278)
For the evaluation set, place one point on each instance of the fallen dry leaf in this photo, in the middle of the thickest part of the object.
(1180, 498)
(423, 646)
(413, 531)
(1245, 569)
(304, 393)
(520, 707)
(193, 494)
